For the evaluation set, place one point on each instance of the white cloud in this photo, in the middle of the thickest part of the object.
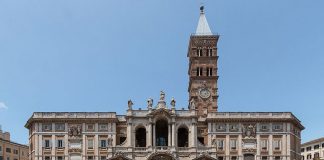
(3, 106)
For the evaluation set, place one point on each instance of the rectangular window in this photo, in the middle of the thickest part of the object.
(264, 158)
(316, 146)
(277, 158)
(200, 53)
(103, 127)
(103, 158)
(209, 71)
(47, 144)
(15, 151)
(103, 143)
(8, 158)
(90, 157)
(316, 155)
(220, 158)
(220, 144)
(210, 52)
(233, 144)
(0, 148)
(302, 150)
(60, 158)
(47, 158)
(90, 143)
(309, 148)
(60, 127)
(322, 145)
(47, 127)
(277, 144)
(277, 127)
(8, 150)
(309, 156)
(90, 127)
(60, 143)
(264, 144)
(233, 158)
(199, 71)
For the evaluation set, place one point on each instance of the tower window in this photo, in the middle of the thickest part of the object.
(210, 52)
(209, 71)
(199, 52)
(199, 71)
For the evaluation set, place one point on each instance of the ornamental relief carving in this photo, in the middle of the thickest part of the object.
(249, 131)
(75, 130)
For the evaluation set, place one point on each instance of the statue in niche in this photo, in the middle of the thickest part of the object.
(130, 104)
(192, 104)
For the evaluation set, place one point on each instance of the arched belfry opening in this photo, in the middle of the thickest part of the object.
(140, 140)
(161, 128)
(183, 137)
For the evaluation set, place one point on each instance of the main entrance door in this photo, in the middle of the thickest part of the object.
(248, 157)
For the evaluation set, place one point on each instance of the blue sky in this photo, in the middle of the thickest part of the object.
(95, 55)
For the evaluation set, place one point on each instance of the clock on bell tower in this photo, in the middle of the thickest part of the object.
(202, 54)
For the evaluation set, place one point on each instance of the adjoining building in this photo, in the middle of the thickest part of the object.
(161, 132)
(313, 149)
(10, 150)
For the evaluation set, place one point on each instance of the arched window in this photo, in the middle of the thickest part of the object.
(140, 140)
(182, 137)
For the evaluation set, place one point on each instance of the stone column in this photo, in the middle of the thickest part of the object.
(53, 145)
(173, 134)
(129, 134)
(154, 138)
(209, 134)
(270, 147)
(284, 146)
(288, 140)
(114, 129)
(193, 134)
(84, 140)
(258, 147)
(227, 147)
(240, 154)
(40, 149)
(169, 135)
(149, 136)
(95, 146)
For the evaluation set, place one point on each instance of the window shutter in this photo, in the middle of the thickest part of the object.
(50, 143)
(63, 143)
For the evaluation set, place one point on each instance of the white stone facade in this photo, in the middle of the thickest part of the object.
(229, 135)
(313, 149)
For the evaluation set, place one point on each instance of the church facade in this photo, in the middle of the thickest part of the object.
(161, 132)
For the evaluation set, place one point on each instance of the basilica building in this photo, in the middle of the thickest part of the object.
(162, 132)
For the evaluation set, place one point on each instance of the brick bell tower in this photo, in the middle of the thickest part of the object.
(202, 54)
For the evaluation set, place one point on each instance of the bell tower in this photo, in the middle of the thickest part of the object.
(202, 54)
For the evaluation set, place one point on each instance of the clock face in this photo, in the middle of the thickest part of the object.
(204, 93)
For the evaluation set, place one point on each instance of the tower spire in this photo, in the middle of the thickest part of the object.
(203, 27)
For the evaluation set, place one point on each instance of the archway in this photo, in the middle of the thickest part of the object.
(248, 157)
(161, 156)
(161, 130)
(140, 140)
(182, 137)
